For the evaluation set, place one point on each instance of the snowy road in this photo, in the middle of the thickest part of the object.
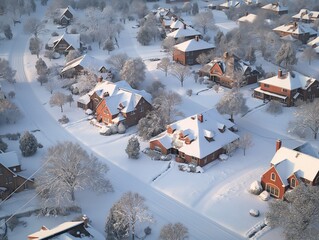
(164, 208)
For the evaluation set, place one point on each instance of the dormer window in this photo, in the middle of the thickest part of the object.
(293, 182)
(273, 177)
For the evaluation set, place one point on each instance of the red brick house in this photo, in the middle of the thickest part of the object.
(198, 139)
(185, 32)
(64, 43)
(288, 88)
(288, 168)
(10, 178)
(223, 71)
(117, 102)
(186, 53)
(296, 30)
(306, 16)
(276, 8)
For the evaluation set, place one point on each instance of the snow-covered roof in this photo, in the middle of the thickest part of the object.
(198, 132)
(287, 162)
(87, 62)
(231, 3)
(248, 18)
(177, 23)
(315, 44)
(72, 39)
(118, 95)
(194, 45)
(184, 31)
(305, 14)
(64, 10)
(276, 7)
(295, 28)
(290, 81)
(9, 159)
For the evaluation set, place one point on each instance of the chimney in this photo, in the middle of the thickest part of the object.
(200, 117)
(100, 79)
(44, 228)
(247, 14)
(184, 26)
(197, 38)
(279, 73)
(278, 144)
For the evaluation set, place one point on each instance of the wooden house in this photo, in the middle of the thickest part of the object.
(276, 8)
(186, 53)
(306, 16)
(64, 43)
(288, 168)
(296, 30)
(117, 102)
(288, 88)
(10, 175)
(198, 139)
(65, 16)
(224, 71)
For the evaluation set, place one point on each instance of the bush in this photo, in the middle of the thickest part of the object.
(28, 144)
(114, 128)
(274, 107)
(121, 128)
(189, 92)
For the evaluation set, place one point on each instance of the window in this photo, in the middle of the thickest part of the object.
(142, 109)
(182, 155)
(293, 183)
(273, 176)
(266, 85)
(272, 190)
(284, 90)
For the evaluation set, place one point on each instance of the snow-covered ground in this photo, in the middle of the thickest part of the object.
(213, 205)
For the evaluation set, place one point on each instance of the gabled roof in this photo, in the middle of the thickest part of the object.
(9, 159)
(290, 81)
(87, 62)
(287, 162)
(72, 39)
(184, 32)
(64, 10)
(305, 14)
(250, 18)
(314, 43)
(176, 23)
(194, 45)
(276, 7)
(296, 28)
(198, 132)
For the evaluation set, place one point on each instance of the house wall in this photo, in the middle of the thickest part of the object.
(179, 56)
(290, 179)
(61, 46)
(157, 145)
(188, 58)
(266, 180)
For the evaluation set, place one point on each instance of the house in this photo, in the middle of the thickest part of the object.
(288, 168)
(297, 30)
(187, 52)
(64, 16)
(117, 102)
(198, 139)
(288, 88)
(176, 23)
(306, 16)
(223, 71)
(68, 230)
(85, 64)
(276, 8)
(10, 178)
(64, 43)
(314, 44)
(185, 32)
(248, 18)
(229, 4)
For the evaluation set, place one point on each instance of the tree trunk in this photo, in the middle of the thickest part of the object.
(61, 108)
(182, 83)
(315, 135)
(72, 195)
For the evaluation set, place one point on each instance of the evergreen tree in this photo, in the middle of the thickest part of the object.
(28, 144)
(133, 148)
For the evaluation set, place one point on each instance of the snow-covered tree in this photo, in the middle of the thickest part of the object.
(72, 54)
(306, 119)
(116, 227)
(133, 71)
(51, 85)
(58, 99)
(41, 67)
(250, 55)
(42, 79)
(245, 142)
(7, 31)
(164, 64)
(85, 83)
(286, 55)
(133, 148)
(69, 99)
(34, 26)
(274, 107)
(131, 210)
(204, 58)
(144, 36)
(204, 20)
(117, 61)
(6, 72)
(298, 215)
(151, 125)
(109, 45)
(9, 112)
(28, 144)
(35, 46)
(232, 103)
(168, 44)
(156, 88)
(176, 231)
(309, 53)
(195, 8)
(68, 167)
(187, 7)
(180, 72)
(3, 146)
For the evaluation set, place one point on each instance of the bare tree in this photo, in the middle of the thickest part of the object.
(168, 44)
(9, 112)
(309, 53)
(287, 55)
(144, 36)
(117, 61)
(35, 46)
(175, 231)
(232, 103)
(34, 26)
(298, 215)
(28, 144)
(85, 83)
(204, 58)
(109, 45)
(58, 99)
(41, 67)
(68, 167)
(133, 71)
(51, 85)
(204, 20)
(6, 71)
(245, 142)
(164, 65)
(180, 72)
(69, 99)
(306, 119)
(42, 79)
